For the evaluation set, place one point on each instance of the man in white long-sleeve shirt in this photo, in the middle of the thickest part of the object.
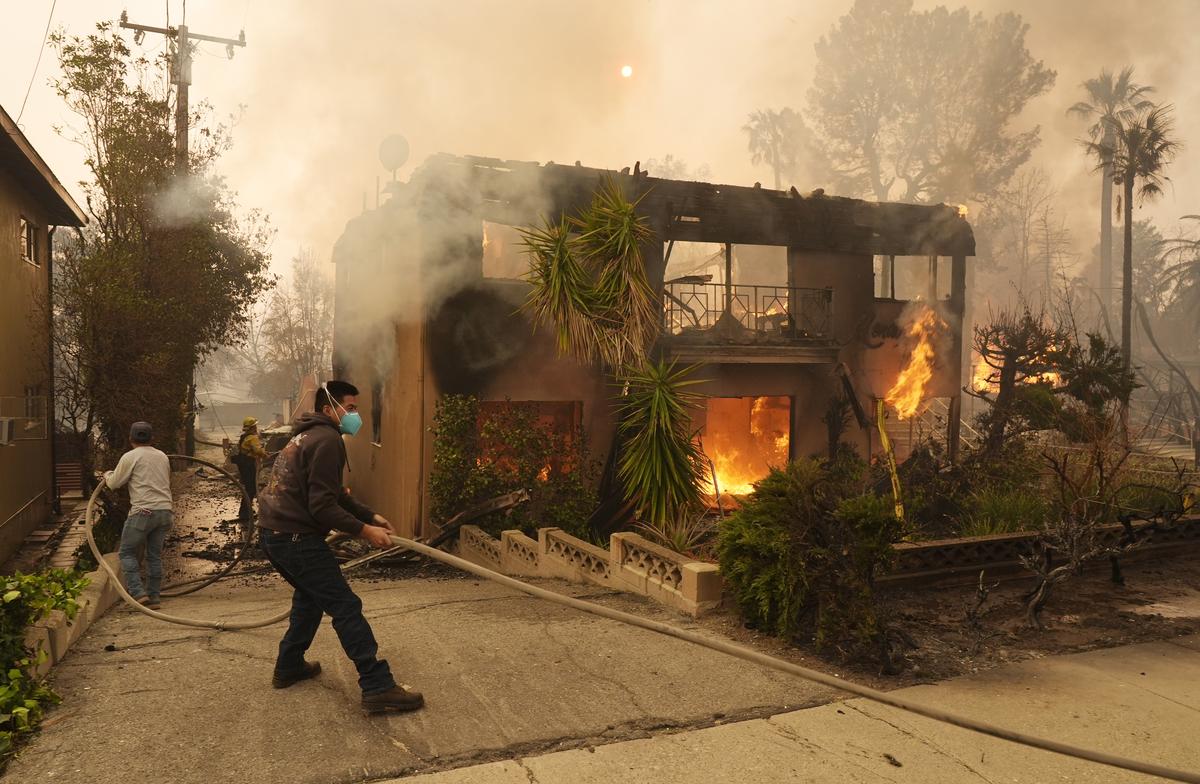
(147, 471)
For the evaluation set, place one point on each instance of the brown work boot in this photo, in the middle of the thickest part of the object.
(396, 698)
(283, 680)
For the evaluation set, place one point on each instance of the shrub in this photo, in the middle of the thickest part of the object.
(802, 553)
(26, 599)
(1003, 510)
(480, 454)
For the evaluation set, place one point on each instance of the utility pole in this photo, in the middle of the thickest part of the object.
(181, 77)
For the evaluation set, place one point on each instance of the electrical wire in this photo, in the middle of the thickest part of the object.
(41, 51)
(721, 646)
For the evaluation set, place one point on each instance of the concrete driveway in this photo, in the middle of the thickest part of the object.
(504, 676)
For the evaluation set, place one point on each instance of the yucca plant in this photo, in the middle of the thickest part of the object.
(686, 532)
(661, 463)
(562, 297)
(589, 285)
(589, 281)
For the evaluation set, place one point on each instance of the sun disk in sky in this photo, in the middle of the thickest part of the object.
(627, 71)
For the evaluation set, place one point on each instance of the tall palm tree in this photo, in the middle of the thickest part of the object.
(1138, 153)
(772, 140)
(1109, 100)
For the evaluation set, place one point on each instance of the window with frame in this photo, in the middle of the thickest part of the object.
(29, 241)
(33, 402)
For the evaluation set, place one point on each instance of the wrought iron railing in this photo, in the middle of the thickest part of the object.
(743, 313)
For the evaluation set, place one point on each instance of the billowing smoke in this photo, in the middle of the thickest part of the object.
(184, 201)
(417, 261)
(537, 81)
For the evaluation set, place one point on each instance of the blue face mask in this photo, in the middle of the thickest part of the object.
(351, 423)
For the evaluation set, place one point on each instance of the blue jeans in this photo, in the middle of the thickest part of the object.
(307, 563)
(148, 528)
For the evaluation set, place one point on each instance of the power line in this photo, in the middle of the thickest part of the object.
(41, 50)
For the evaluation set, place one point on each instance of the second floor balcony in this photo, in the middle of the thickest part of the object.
(703, 313)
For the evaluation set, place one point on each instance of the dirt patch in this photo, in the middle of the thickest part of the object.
(1160, 600)
(206, 535)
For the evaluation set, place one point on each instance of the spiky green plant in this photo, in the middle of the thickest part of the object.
(589, 281)
(661, 463)
(562, 297)
(589, 285)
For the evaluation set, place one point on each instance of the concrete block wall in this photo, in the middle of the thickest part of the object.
(631, 563)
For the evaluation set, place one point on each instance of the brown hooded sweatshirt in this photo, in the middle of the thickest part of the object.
(305, 494)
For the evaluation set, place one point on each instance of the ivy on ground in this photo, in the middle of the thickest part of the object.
(26, 599)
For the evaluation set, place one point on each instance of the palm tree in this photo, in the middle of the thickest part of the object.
(1180, 279)
(1110, 100)
(1138, 153)
(772, 140)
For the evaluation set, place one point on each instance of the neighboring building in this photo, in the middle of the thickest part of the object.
(789, 301)
(32, 203)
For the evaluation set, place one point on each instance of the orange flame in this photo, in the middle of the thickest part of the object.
(908, 392)
(744, 437)
(982, 381)
(981, 377)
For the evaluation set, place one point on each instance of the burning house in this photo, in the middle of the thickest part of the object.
(801, 309)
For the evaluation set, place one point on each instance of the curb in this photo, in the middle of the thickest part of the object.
(55, 634)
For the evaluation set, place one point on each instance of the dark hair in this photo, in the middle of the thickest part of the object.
(332, 392)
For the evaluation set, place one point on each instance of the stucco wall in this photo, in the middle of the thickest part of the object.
(25, 467)
(476, 342)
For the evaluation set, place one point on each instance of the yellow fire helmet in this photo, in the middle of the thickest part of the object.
(249, 422)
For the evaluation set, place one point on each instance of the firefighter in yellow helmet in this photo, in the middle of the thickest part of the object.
(246, 457)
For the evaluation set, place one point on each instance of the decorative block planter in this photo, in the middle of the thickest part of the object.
(519, 555)
(631, 564)
(55, 634)
(1000, 555)
(566, 557)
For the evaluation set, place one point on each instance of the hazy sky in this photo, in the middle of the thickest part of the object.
(323, 82)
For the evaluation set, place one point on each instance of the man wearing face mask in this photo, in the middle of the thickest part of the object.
(303, 501)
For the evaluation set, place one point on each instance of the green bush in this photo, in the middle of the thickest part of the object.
(479, 455)
(1146, 498)
(26, 599)
(1003, 510)
(802, 553)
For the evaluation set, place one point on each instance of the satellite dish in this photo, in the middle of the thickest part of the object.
(393, 152)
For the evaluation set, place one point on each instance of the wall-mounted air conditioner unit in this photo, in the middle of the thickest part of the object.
(8, 431)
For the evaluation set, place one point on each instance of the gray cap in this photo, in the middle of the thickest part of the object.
(140, 432)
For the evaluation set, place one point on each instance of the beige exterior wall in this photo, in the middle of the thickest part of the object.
(391, 475)
(25, 467)
(385, 474)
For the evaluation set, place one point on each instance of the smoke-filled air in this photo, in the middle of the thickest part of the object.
(855, 342)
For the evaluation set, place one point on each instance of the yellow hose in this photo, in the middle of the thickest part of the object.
(890, 456)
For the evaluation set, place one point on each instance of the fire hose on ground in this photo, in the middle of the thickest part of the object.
(721, 646)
